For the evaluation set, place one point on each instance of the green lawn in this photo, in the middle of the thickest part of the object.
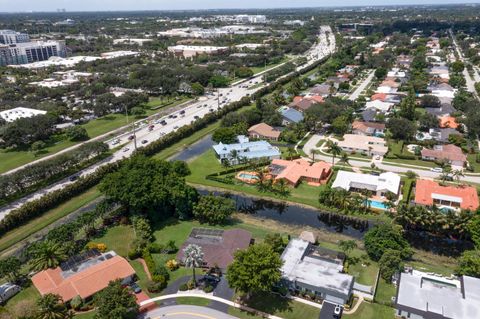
(193, 301)
(258, 69)
(30, 293)
(86, 315)
(47, 218)
(118, 238)
(371, 311)
(278, 306)
(396, 148)
(385, 291)
(472, 159)
(242, 314)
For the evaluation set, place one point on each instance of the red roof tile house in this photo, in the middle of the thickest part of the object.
(264, 131)
(303, 103)
(83, 276)
(293, 172)
(428, 193)
(451, 153)
(218, 246)
(368, 128)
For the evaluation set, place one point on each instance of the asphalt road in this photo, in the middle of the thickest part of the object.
(210, 103)
(186, 312)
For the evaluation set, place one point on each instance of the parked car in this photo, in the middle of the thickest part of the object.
(182, 112)
(337, 311)
(437, 169)
(151, 127)
(135, 288)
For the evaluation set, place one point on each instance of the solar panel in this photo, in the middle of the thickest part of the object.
(76, 260)
(206, 232)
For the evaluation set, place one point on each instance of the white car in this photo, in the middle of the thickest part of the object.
(126, 149)
(437, 169)
(115, 142)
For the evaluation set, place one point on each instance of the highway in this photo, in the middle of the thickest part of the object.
(146, 134)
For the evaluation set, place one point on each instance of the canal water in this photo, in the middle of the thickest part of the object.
(194, 150)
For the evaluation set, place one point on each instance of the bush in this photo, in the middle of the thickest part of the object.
(155, 287)
(76, 302)
(172, 264)
(191, 284)
(183, 287)
(208, 289)
(134, 254)
(162, 271)
(155, 248)
(159, 279)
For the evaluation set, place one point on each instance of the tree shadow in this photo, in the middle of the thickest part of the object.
(269, 302)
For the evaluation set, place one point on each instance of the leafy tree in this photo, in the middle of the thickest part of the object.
(428, 121)
(76, 133)
(474, 230)
(225, 135)
(380, 73)
(430, 101)
(457, 66)
(147, 185)
(401, 128)
(347, 245)
(244, 72)
(390, 263)
(25, 131)
(198, 89)
(137, 111)
(457, 81)
(334, 149)
(340, 125)
(469, 263)
(407, 106)
(383, 237)
(276, 242)
(213, 209)
(47, 255)
(218, 81)
(193, 258)
(38, 146)
(255, 269)
(51, 306)
(115, 301)
(10, 268)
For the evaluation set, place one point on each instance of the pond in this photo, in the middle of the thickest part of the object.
(298, 215)
(194, 150)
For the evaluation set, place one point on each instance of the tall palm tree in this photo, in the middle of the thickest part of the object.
(51, 306)
(193, 258)
(47, 255)
(344, 159)
(290, 152)
(334, 149)
(314, 152)
(458, 174)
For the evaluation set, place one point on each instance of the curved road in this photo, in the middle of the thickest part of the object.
(185, 312)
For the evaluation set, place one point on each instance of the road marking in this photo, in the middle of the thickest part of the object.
(186, 313)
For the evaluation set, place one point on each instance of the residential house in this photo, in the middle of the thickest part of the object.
(386, 89)
(303, 103)
(451, 153)
(440, 71)
(442, 90)
(370, 145)
(20, 112)
(396, 73)
(218, 246)
(368, 128)
(290, 115)
(323, 89)
(264, 131)
(379, 96)
(437, 134)
(336, 81)
(369, 115)
(316, 270)
(235, 153)
(426, 295)
(295, 171)
(83, 275)
(404, 61)
(383, 107)
(379, 185)
(429, 193)
(390, 82)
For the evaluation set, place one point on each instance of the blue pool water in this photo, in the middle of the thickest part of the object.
(248, 176)
(377, 205)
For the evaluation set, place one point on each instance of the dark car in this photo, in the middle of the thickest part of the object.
(131, 137)
(182, 112)
(196, 117)
(144, 142)
(135, 288)
(73, 178)
(163, 122)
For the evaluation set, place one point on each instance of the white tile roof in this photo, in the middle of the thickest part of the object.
(386, 181)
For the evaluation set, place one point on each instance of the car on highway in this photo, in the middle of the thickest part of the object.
(182, 112)
(151, 127)
(115, 141)
(131, 137)
(175, 127)
(211, 110)
(437, 169)
(196, 117)
(163, 122)
(126, 149)
(73, 178)
(144, 142)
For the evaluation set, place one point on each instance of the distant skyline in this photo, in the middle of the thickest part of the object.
(121, 5)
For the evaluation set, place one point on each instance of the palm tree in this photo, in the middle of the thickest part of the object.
(447, 170)
(193, 258)
(51, 306)
(457, 174)
(234, 156)
(47, 255)
(290, 152)
(314, 152)
(344, 159)
(334, 149)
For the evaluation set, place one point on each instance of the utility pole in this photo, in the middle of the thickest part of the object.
(133, 123)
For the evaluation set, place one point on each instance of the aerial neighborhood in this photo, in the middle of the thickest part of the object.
(240, 163)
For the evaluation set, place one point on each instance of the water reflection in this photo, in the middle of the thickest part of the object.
(194, 150)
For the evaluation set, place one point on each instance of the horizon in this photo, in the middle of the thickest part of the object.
(53, 6)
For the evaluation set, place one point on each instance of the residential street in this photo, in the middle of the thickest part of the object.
(185, 312)
(355, 94)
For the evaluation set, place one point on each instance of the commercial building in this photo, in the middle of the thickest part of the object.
(264, 131)
(28, 52)
(218, 246)
(20, 112)
(190, 51)
(245, 150)
(84, 275)
(295, 171)
(13, 37)
(421, 295)
(431, 193)
(316, 270)
(378, 185)
(369, 145)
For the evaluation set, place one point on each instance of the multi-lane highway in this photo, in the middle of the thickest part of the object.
(148, 132)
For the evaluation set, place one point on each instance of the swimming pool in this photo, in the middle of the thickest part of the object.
(247, 176)
(377, 205)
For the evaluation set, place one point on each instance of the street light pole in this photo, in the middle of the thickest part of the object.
(133, 123)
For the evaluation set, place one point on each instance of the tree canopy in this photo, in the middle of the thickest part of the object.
(383, 237)
(213, 209)
(115, 301)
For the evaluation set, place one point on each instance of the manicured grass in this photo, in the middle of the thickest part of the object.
(141, 274)
(472, 159)
(30, 293)
(202, 302)
(371, 311)
(282, 307)
(118, 238)
(396, 148)
(242, 314)
(86, 315)
(47, 218)
(258, 69)
(177, 147)
(385, 291)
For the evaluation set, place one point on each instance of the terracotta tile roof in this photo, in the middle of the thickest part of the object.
(390, 83)
(219, 251)
(84, 283)
(379, 96)
(264, 130)
(304, 103)
(425, 189)
(449, 152)
(448, 121)
(367, 127)
(293, 171)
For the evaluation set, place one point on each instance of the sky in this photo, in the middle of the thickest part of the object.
(114, 5)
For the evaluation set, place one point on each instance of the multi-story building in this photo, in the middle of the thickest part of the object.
(28, 52)
(13, 37)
